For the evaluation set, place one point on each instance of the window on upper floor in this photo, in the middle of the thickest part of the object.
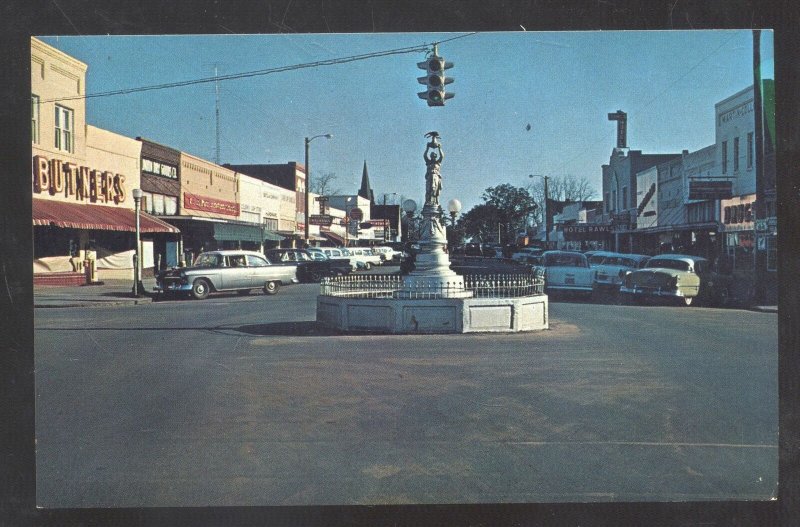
(624, 198)
(750, 150)
(735, 155)
(35, 119)
(65, 124)
(724, 157)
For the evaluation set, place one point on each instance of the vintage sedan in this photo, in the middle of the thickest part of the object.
(612, 268)
(228, 270)
(679, 278)
(567, 271)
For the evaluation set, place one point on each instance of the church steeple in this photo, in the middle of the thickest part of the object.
(366, 190)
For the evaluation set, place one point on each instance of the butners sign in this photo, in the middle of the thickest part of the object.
(54, 176)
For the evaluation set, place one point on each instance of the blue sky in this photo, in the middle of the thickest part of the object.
(561, 83)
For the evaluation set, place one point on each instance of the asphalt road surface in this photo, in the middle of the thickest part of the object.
(241, 401)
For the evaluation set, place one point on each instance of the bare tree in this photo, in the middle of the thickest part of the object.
(559, 188)
(323, 184)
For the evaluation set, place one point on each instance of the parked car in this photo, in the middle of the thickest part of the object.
(612, 268)
(339, 254)
(526, 254)
(567, 271)
(680, 278)
(473, 249)
(363, 257)
(386, 253)
(312, 266)
(229, 270)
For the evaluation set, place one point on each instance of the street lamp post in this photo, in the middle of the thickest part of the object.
(385, 237)
(546, 217)
(137, 264)
(453, 207)
(308, 180)
(409, 206)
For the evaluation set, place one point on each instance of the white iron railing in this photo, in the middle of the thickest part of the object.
(393, 286)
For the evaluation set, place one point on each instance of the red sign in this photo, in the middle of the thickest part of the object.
(205, 204)
(356, 214)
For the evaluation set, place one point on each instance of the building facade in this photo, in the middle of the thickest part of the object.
(82, 179)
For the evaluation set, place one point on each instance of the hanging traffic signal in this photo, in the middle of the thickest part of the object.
(435, 80)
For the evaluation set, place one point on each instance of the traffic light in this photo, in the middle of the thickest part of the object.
(435, 80)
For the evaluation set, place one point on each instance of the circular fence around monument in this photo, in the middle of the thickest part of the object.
(393, 286)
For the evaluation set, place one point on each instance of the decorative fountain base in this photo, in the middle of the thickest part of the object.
(433, 315)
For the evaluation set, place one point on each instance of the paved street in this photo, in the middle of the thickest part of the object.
(240, 401)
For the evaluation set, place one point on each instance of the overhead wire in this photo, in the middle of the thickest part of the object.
(256, 73)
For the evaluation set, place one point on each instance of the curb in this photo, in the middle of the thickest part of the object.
(763, 309)
(90, 303)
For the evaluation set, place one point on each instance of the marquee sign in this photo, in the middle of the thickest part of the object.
(320, 219)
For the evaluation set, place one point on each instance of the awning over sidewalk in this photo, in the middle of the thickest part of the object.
(272, 236)
(237, 233)
(94, 217)
(335, 238)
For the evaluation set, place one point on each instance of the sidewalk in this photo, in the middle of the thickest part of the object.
(109, 293)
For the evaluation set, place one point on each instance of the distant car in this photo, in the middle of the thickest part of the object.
(386, 253)
(339, 253)
(473, 249)
(679, 278)
(312, 266)
(525, 254)
(363, 257)
(612, 268)
(567, 271)
(230, 270)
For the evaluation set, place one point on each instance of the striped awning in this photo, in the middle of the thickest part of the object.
(94, 217)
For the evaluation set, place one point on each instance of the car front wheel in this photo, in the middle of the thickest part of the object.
(316, 276)
(271, 288)
(200, 289)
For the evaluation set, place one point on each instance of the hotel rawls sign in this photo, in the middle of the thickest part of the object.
(586, 232)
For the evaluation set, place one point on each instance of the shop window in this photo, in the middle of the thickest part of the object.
(158, 204)
(271, 224)
(750, 150)
(35, 119)
(64, 129)
(735, 155)
(170, 205)
(772, 253)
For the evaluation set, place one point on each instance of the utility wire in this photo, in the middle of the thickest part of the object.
(328, 62)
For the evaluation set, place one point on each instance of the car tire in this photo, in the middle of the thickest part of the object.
(316, 276)
(270, 288)
(200, 289)
(243, 292)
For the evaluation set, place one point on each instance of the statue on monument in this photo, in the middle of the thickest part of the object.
(433, 176)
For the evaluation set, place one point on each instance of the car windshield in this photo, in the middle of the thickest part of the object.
(208, 260)
(596, 259)
(678, 265)
(564, 260)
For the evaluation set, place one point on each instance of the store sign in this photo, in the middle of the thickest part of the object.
(54, 176)
(586, 232)
(320, 219)
(705, 190)
(738, 214)
(206, 204)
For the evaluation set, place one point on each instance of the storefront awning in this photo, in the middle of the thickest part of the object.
(233, 232)
(94, 217)
(271, 236)
(335, 238)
